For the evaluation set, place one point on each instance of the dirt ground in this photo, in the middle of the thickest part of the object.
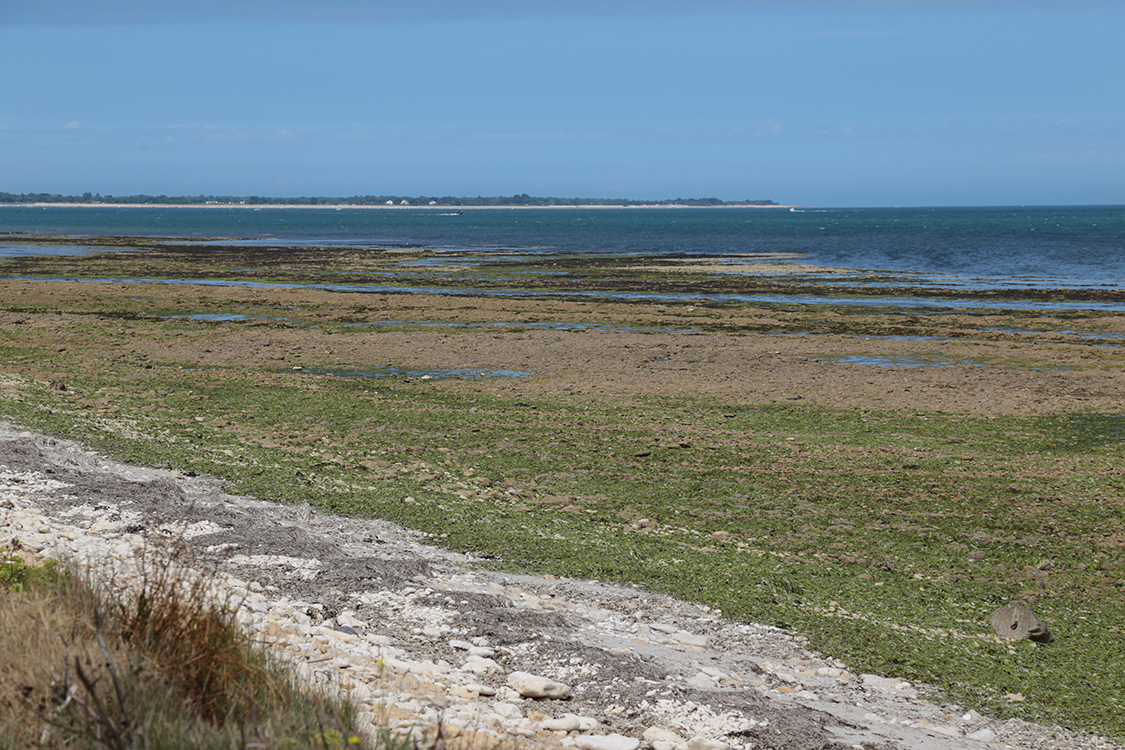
(959, 361)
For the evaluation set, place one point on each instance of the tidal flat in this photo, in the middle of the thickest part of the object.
(877, 480)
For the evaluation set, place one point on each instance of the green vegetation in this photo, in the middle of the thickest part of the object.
(884, 538)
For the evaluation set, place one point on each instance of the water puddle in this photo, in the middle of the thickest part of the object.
(780, 299)
(901, 360)
(411, 373)
(977, 284)
(906, 338)
(211, 317)
(1098, 336)
(537, 325)
(26, 250)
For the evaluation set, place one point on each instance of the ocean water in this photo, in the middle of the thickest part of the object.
(971, 248)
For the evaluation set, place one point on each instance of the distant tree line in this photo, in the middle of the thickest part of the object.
(361, 200)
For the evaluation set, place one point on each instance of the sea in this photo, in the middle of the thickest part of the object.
(970, 249)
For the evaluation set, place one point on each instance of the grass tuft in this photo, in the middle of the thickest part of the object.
(165, 668)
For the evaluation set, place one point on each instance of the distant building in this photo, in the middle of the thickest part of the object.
(390, 203)
(405, 202)
(433, 203)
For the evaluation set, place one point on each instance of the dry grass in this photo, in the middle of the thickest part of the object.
(165, 667)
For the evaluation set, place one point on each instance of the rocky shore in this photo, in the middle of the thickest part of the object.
(429, 643)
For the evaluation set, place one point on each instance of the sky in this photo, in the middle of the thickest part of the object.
(806, 102)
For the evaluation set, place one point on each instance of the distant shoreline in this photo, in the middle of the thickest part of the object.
(343, 206)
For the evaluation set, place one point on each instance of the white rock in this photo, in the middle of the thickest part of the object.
(703, 681)
(691, 639)
(350, 620)
(983, 735)
(888, 685)
(660, 734)
(481, 665)
(532, 686)
(703, 743)
(505, 693)
(606, 742)
(507, 710)
(568, 723)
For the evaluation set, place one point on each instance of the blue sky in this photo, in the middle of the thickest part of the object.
(811, 102)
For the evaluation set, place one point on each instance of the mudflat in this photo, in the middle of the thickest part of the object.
(957, 362)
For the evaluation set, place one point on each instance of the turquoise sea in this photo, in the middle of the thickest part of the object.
(1072, 247)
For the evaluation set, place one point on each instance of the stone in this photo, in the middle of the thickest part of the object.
(702, 681)
(481, 665)
(568, 723)
(348, 619)
(703, 743)
(889, 685)
(533, 686)
(660, 734)
(606, 742)
(1016, 621)
(691, 639)
(983, 735)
